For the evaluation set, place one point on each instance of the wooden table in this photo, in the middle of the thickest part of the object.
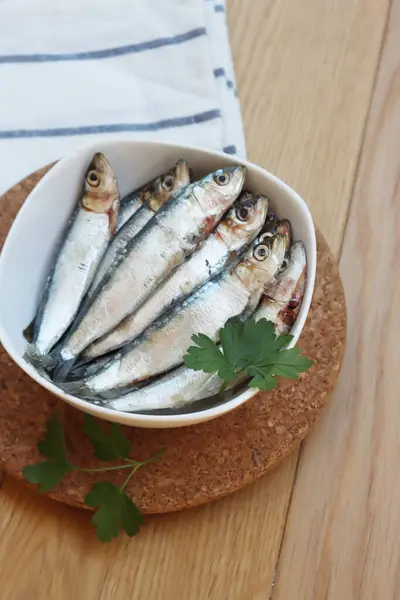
(319, 82)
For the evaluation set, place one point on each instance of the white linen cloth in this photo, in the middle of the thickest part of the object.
(73, 70)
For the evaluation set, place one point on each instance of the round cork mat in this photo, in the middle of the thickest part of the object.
(201, 462)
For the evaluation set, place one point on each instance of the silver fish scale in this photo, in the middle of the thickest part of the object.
(205, 311)
(177, 388)
(162, 245)
(81, 253)
(212, 257)
(130, 204)
(120, 243)
(171, 391)
(218, 251)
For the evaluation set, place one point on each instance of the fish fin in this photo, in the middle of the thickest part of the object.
(86, 369)
(94, 367)
(62, 369)
(116, 392)
(78, 371)
(37, 359)
(77, 388)
(29, 331)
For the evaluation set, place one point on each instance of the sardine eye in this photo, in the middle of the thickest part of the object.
(93, 179)
(244, 212)
(265, 235)
(261, 252)
(284, 265)
(168, 183)
(293, 303)
(222, 178)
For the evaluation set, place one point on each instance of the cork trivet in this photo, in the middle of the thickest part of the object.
(202, 462)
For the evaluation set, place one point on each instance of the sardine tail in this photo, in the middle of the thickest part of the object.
(77, 388)
(82, 369)
(29, 330)
(62, 369)
(37, 359)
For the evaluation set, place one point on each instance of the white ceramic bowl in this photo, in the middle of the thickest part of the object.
(29, 249)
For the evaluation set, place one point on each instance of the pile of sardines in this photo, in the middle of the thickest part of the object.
(135, 278)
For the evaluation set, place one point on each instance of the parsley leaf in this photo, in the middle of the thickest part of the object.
(115, 510)
(49, 473)
(293, 358)
(262, 379)
(253, 340)
(105, 497)
(53, 445)
(207, 357)
(131, 517)
(250, 347)
(107, 446)
(230, 336)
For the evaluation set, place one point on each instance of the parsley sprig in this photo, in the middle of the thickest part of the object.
(250, 347)
(115, 509)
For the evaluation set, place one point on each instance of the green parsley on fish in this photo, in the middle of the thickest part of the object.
(183, 385)
(164, 344)
(169, 237)
(238, 229)
(89, 232)
(152, 197)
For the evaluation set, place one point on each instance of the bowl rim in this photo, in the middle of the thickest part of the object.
(147, 419)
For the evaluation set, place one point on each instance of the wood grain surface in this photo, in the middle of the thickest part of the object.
(306, 73)
(346, 544)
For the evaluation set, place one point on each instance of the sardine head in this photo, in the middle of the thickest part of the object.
(261, 262)
(243, 221)
(273, 226)
(100, 187)
(164, 187)
(217, 191)
(289, 283)
(289, 293)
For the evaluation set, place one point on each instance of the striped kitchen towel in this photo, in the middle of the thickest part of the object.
(72, 70)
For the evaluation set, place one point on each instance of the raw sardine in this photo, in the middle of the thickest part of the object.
(164, 344)
(163, 244)
(273, 225)
(182, 385)
(91, 228)
(161, 185)
(284, 295)
(173, 390)
(152, 198)
(239, 228)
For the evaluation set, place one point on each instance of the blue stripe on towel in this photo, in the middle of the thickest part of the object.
(112, 128)
(219, 72)
(219, 8)
(107, 53)
(230, 149)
